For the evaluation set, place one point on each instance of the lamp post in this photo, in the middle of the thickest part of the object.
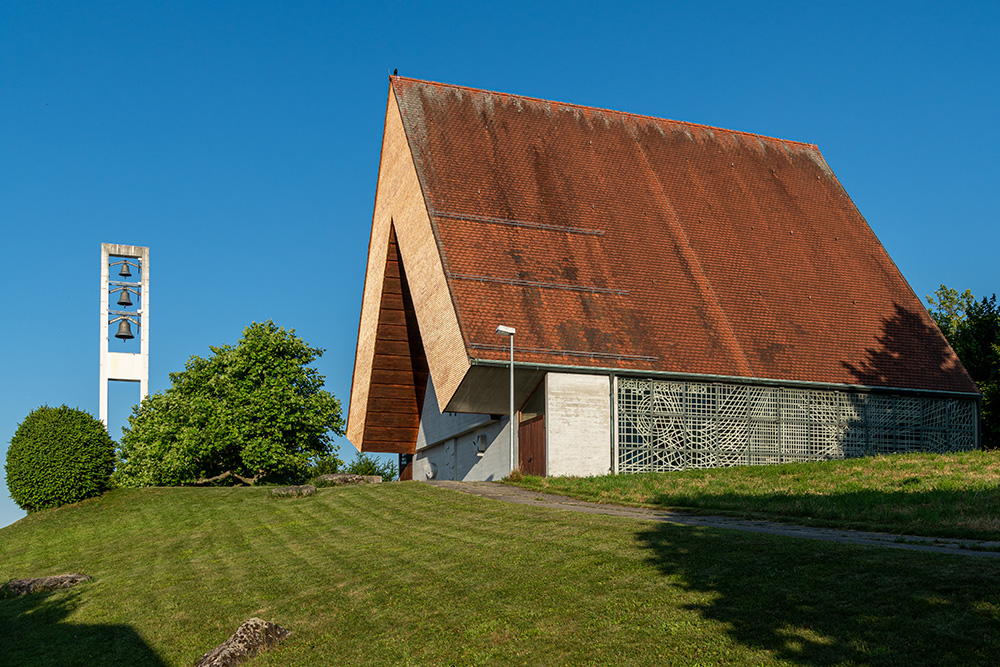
(510, 331)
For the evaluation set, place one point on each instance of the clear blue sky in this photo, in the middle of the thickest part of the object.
(240, 142)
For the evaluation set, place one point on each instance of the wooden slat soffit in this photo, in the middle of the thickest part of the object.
(399, 368)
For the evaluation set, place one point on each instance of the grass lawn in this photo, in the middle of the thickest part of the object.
(939, 495)
(408, 574)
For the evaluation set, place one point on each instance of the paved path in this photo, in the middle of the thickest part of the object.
(514, 494)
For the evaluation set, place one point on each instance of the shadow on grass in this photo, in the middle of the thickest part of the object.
(963, 514)
(820, 605)
(36, 632)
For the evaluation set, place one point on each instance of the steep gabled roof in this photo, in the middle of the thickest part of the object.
(621, 241)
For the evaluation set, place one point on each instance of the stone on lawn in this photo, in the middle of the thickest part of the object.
(339, 479)
(39, 584)
(250, 639)
(293, 491)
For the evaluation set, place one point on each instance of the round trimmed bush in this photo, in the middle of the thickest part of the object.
(58, 456)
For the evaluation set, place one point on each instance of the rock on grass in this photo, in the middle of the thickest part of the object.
(16, 587)
(250, 639)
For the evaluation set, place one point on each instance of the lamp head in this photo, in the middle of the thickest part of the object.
(505, 331)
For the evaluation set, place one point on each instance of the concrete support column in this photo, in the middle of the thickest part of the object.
(578, 424)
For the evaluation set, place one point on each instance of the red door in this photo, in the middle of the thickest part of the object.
(531, 446)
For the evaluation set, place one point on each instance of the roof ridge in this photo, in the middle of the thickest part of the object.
(615, 112)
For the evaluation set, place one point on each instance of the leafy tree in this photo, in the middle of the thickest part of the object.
(58, 456)
(948, 308)
(250, 412)
(973, 329)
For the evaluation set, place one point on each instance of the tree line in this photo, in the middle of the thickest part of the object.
(972, 327)
(254, 412)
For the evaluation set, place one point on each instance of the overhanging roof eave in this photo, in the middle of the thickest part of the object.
(705, 377)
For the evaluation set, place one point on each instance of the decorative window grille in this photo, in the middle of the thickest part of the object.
(677, 425)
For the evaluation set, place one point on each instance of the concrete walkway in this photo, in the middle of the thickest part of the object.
(513, 494)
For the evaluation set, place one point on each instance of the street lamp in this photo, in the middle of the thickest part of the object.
(510, 331)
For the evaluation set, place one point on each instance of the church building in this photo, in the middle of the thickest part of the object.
(677, 296)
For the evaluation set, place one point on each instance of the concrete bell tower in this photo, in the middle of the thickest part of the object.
(130, 291)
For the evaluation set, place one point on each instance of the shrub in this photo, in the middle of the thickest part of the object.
(369, 465)
(324, 464)
(58, 456)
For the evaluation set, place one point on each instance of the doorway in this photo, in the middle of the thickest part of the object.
(531, 446)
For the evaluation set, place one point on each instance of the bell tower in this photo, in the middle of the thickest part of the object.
(125, 303)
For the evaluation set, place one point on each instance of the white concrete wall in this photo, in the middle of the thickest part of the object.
(437, 427)
(577, 424)
(458, 458)
(447, 446)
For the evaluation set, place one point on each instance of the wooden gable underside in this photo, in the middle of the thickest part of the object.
(399, 367)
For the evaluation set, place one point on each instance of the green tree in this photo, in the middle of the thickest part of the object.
(58, 456)
(948, 308)
(973, 329)
(252, 411)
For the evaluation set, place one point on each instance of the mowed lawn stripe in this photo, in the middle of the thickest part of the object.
(409, 574)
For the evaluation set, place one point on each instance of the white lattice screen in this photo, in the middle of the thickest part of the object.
(676, 425)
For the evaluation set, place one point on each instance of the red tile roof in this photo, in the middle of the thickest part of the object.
(615, 240)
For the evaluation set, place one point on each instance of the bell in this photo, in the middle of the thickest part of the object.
(124, 331)
(123, 298)
(125, 273)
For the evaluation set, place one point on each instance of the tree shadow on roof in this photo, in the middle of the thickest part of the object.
(36, 632)
(817, 604)
(911, 353)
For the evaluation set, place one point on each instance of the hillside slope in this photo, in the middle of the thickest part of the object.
(404, 573)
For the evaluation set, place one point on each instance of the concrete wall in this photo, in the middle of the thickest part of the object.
(437, 426)
(448, 444)
(459, 457)
(578, 424)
